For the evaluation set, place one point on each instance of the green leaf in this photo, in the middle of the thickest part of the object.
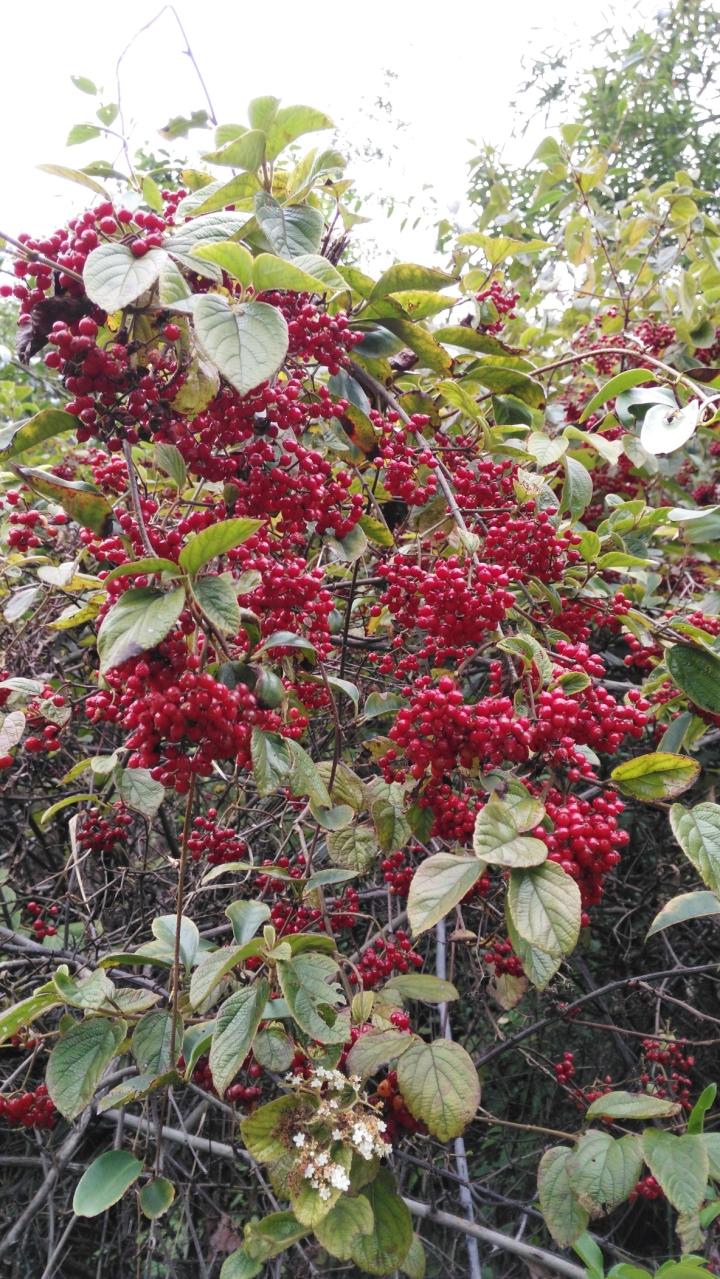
(404, 276)
(22, 1014)
(293, 122)
(468, 340)
(82, 502)
(336, 818)
(214, 541)
(320, 270)
(240, 1266)
(658, 775)
(697, 831)
(337, 1232)
(313, 995)
(603, 1170)
(497, 248)
(680, 1165)
(246, 152)
(497, 842)
(630, 1105)
(260, 1130)
(564, 1217)
(544, 905)
(234, 259)
(214, 967)
(247, 343)
(82, 133)
(439, 883)
(104, 1182)
(414, 1263)
(497, 378)
(218, 601)
(440, 1086)
(577, 489)
(271, 1236)
(387, 1245)
(271, 272)
(545, 450)
(291, 229)
(164, 928)
(685, 906)
(82, 83)
(429, 352)
(114, 277)
(305, 778)
(237, 1021)
(170, 460)
(455, 394)
(705, 1102)
(211, 228)
(273, 1049)
(272, 760)
(20, 436)
(156, 1197)
(142, 617)
(152, 1040)
(138, 790)
(92, 992)
(376, 1049)
(78, 1062)
(391, 824)
(621, 382)
(354, 848)
(73, 175)
(152, 564)
(422, 986)
(246, 917)
(697, 673)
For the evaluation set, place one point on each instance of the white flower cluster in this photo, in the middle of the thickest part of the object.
(323, 1175)
(365, 1136)
(335, 1080)
(360, 1131)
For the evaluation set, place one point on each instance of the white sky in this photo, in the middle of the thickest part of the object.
(456, 67)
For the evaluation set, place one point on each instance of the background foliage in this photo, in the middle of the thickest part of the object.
(360, 705)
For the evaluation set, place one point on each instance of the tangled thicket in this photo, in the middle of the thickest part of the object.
(355, 660)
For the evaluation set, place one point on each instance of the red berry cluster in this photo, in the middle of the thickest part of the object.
(529, 546)
(29, 1109)
(670, 1064)
(315, 337)
(395, 1113)
(180, 718)
(217, 844)
(646, 1188)
(386, 956)
(408, 467)
(439, 729)
(102, 832)
(565, 1068)
(495, 302)
(40, 925)
(452, 603)
(586, 840)
(501, 957)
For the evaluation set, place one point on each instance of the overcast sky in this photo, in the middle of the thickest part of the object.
(455, 68)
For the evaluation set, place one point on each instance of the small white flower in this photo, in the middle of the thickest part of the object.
(322, 1159)
(381, 1125)
(338, 1177)
(333, 1104)
(299, 1139)
(325, 1192)
(337, 1135)
(309, 1172)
